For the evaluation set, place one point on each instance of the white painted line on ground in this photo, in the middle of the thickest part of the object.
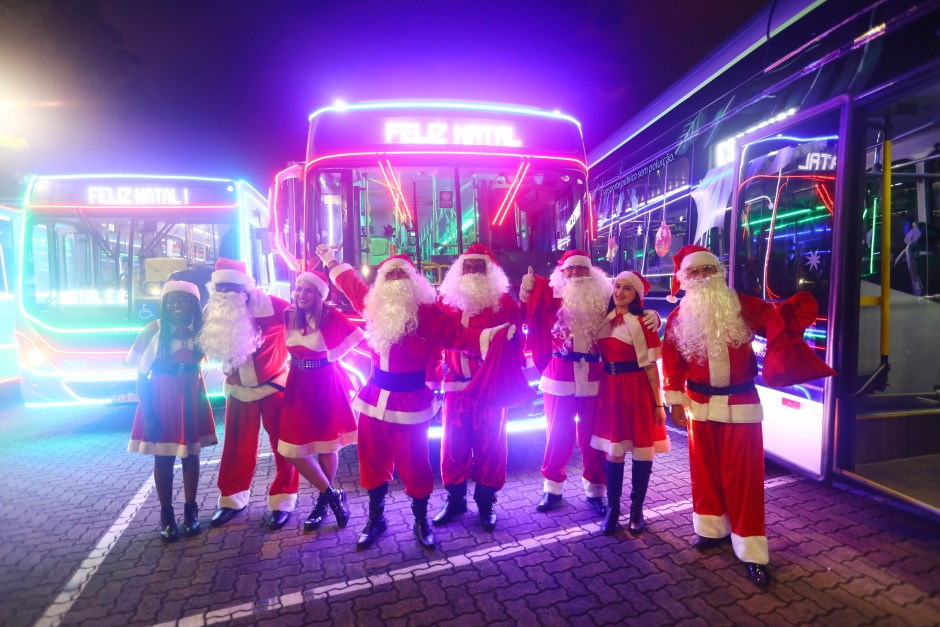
(54, 614)
(352, 586)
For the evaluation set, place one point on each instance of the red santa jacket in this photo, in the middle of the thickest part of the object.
(268, 364)
(410, 356)
(461, 366)
(735, 366)
(337, 337)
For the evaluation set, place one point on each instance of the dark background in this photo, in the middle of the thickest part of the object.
(224, 87)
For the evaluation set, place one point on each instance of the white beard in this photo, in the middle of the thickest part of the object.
(583, 311)
(391, 311)
(709, 319)
(228, 332)
(472, 293)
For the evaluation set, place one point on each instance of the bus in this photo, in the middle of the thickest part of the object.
(429, 178)
(95, 251)
(9, 367)
(805, 152)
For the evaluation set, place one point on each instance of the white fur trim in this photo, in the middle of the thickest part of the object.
(391, 264)
(593, 490)
(171, 449)
(283, 502)
(230, 276)
(260, 304)
(552, 487)
(338, 270)
(633, 280)
(298, 451)
(320, 284)
(751, 549)
(398, 417)
(249, 394)
(673, 397)
(699, 258)
(470, 256)
(576, 260)
(180, 286)
(352, 341)
(709, 526)
(239, 500)
(721, 411)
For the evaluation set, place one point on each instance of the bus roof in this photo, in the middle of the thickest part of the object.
(429, 103)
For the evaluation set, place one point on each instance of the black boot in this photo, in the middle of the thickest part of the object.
(641, 482)
(169, 532)
(485, 496)
(614, 471)
(419, 507)
(337, 500)
(315, 519)
(376, 524)
(454, 506)
(191, 524)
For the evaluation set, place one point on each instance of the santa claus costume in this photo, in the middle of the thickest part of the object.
(316, 419)
(474, 444)
(173, 417)
(564, 347)
(254, 391)
(396, 405)
(631, 417)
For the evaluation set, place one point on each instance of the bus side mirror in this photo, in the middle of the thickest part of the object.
(264, 238)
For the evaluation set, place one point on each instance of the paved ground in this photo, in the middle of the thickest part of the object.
(80, 520)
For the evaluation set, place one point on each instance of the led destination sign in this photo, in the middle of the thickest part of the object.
(127, 195)
(441, 132)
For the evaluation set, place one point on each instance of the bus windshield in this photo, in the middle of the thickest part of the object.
(89, 271)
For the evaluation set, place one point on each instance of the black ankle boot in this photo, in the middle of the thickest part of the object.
(315, 519)
(641, 481)
(614, 472)
(191, 524)
(419, 507)
(454, 506)
(376, 524)
(485, 497)
(169, 532)
(337, 500)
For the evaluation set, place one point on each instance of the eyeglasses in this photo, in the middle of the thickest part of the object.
(701, 270)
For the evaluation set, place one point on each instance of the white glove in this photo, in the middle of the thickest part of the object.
(325, 253)
(511, 333)
(528, 281)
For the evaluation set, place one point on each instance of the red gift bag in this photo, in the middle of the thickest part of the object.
(789, 360)
(500, 381)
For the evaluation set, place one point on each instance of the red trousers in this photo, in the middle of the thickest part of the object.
(727, 467)
(562, 430)
(473, 445)
(243, 422)
(388, 446)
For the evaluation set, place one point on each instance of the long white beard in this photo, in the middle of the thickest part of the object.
(709, 319)
(391, 312)
(472, 293)
(583, 312)
(228, 331)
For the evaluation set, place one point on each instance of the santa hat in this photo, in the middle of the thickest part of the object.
(635, 279)
(317, 279)
(574, 258)
(179, 286)
(397, 261)
(686, 257)
(476, 250)
(230, 271)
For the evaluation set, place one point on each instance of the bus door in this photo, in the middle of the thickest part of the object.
(893, 441)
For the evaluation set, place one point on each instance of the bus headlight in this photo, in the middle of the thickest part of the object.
(35, 358)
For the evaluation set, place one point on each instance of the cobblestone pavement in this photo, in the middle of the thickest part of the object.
(81, 547)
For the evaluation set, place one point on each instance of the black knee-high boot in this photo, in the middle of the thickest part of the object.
(641, 482)
(455, 505)
(422, 530)
(376, 524)
(614, 472)
(485, 497)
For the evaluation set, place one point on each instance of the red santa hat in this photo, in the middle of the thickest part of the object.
(476, 250)
(686, 257)
(317, 280)
(637, 280)
(179, 286)
(230, 271)
(574, 258)
(397, 261)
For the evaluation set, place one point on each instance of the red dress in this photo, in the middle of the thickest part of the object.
(627, 404)
(316, 417)
(179, 399)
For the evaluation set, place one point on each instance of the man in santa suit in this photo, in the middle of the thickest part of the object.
(709, 369)
(474, 440)
(405, 329)
(244, 329)
(565, 314)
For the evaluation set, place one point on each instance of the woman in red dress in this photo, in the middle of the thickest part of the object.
(316, 420)
(631, 416)
(173, 416)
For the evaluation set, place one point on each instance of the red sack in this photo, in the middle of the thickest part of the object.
(500, 381)
(789, 360)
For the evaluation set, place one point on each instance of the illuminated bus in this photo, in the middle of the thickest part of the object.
(809, 160)
(9, 368)
(429, 179)
(95, 252)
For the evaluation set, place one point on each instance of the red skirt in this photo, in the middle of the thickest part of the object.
(186, 422)
(316, 417)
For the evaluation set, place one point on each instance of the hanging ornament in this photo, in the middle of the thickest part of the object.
(663, 239)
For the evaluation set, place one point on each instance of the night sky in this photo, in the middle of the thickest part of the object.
(224, 87)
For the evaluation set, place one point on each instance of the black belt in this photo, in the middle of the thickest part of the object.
(573, 356)
(174, 369)
(309, 364)
(398, 381)
(621, 367)
(728, 390)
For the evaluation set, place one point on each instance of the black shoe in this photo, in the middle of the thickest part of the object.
(758, 574)
(637, 524)
(191, 524)
(169, 532)
(453, 507)
(598, 504)
(371, 532)
(315, 519)
(337, 501)
(277, 519)
(548, 502)
(704, 544)
(423, 533)
(223, 515)
(611, 524)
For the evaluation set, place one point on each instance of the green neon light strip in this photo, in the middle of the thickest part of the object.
(874, 234)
